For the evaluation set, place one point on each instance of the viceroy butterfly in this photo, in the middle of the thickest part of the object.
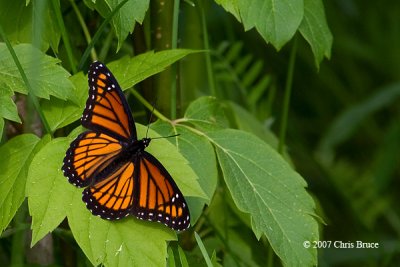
(120, 177)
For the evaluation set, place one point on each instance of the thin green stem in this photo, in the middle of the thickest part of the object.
(106, 45)
(97, 35)
(64, 34)
(174, 44)
(286, 100)
(18, 239)
(210, 73)
(148, 105)
(84, 27)
(26, 81)
(203, 250)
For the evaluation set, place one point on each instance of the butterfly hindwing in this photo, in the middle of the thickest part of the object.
(87, 155)
(158, 196)
(106, 108)
(112, 197)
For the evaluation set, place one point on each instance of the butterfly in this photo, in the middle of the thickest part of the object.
(119, 176)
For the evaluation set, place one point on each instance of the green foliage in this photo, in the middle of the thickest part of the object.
(17, 155)
(244, 197)
(20, 30)
(46, 78)
(124, 20)
(277, 22)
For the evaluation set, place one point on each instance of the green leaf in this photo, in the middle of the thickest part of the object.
(124, 20)
(174, 162)
(8, 109)
(206, 113)
(231, 6)
(276, 20)
(16, 156)
(60, 113)
(200, 154)
(130, 71)
(315, 30)
(20, 30)
(197, 150)
(49, 193)
(203, 249)
(45, 76)
(128, 242)
(264, 185)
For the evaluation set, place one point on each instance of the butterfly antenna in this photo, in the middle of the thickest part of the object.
(148, 125)
(173, 135)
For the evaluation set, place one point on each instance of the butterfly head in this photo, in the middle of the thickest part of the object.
(145, 142)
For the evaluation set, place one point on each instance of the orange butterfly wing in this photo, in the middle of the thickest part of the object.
(112, 197)
(158, 196)
(88, 155)
(106, 109)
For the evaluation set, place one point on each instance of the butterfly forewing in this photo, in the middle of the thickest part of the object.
(87, 155)
(106, 108)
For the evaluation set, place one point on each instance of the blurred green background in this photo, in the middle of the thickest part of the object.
(344, 122)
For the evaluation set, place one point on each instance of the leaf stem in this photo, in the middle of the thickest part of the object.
(84, 28)
(98, 34)
(286, 100)
(174, 45)
(210, 73)
(148, 105)
(64, 35)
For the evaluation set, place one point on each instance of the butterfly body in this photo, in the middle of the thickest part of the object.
(119, 176)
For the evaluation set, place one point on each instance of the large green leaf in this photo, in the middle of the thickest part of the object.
(16, 20)
(16, 156)
(276, 20)
(44, 75)
(124, 20)
(314, 29)
(264, 185)
(128, 242)
(130, 71)
(201, 156)
(60, 113)
(206, 113)
(49, 193)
